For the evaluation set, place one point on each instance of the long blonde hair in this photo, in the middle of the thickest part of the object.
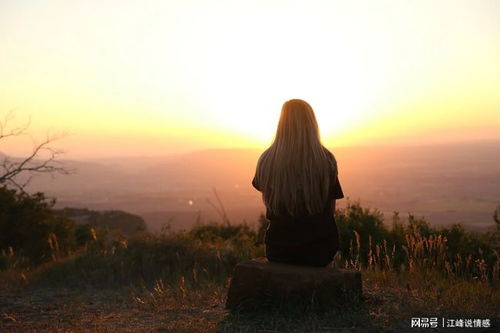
(295, 172)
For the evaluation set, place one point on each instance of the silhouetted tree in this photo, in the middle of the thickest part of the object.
(30, 227)
(42, 159)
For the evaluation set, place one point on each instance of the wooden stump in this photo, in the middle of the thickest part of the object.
(258, 278)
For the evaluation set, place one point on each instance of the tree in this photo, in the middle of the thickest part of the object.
(43, 158)
(31, 228)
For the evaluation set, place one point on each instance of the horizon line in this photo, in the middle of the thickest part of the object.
(355, 146)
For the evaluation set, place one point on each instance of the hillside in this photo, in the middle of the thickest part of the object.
(445, 183)
(177, 282)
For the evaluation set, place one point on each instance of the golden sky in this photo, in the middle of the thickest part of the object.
(153, 77)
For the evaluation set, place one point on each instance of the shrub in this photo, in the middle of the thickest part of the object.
(30, 228)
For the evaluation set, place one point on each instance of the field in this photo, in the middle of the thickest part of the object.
(177, 281)
(446, 183)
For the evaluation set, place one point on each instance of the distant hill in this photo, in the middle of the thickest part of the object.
(445, 183)
(126, 223)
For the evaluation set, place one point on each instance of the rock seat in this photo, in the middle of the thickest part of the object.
(258, 278)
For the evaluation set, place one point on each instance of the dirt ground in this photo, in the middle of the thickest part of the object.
(94, 311)
(66, 310)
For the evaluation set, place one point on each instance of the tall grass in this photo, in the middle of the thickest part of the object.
(208, 253)
(414, 245)
(408, 270)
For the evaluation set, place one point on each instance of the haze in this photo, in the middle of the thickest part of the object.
(444, 183)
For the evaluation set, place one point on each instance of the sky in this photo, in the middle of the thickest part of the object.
(125, 77)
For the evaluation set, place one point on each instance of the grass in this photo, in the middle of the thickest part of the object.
(178, 283)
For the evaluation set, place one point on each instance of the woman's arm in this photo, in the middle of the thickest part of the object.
(255, 184)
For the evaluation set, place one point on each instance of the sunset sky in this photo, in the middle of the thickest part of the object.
(154, 77)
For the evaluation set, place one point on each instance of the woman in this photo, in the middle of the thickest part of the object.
(298, 180)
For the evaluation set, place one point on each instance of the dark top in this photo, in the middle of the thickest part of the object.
(305, 240)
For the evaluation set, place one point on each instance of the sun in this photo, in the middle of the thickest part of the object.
(244, 82)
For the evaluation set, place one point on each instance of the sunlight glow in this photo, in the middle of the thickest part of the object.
(180, 75)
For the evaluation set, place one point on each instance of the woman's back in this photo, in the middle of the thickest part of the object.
(299, 194)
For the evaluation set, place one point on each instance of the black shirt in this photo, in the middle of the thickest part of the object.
(335, 192)
(307, 239)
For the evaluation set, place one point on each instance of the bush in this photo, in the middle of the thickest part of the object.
(30, 229)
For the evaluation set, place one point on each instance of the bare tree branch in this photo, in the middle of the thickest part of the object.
(4, 133)
(220, 210)
(43, 158)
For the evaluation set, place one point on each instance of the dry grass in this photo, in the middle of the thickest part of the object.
(390, 300)
(422, 254)
(178, 283)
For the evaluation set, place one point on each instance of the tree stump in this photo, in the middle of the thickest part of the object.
(258, 280)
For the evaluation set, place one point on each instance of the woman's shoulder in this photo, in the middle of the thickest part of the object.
(264, 154)
(330, 156)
